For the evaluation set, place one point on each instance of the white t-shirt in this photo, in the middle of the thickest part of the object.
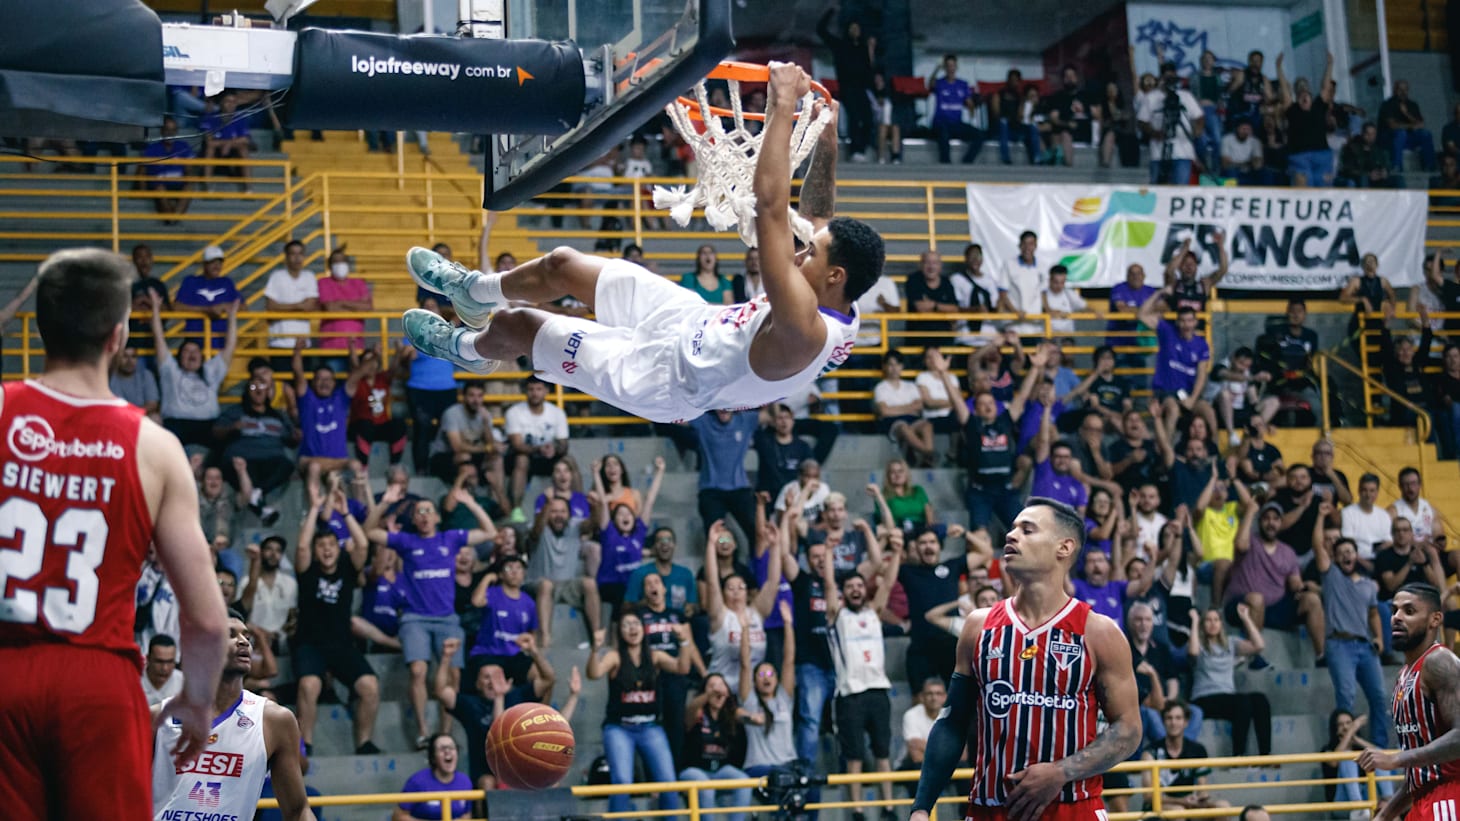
(903, 393)
(1366, 529)
(933, 384)
(1421, 517)
(1237, 152)
(287, 290)
(1148, 533)
(1067, 301)
(1026, 285)
(859, 652)
(169, 688)
(870, 334)
(272, 603)
(916, 725)
(1150, 108)
(810, 505)
(636, 168)
(537, 428)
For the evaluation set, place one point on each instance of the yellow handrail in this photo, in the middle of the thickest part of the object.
(1422, 423)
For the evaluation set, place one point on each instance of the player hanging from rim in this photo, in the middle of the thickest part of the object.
(87, 483)
(1031, 694)
(658, 350)
(1426, 713)
(251, 736)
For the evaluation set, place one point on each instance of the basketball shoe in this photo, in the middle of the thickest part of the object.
(453, 280)
(434, 336)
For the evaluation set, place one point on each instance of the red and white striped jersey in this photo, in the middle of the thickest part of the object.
(1417, 720)
(1036, 699)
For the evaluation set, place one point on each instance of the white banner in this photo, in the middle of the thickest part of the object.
(1278, 239)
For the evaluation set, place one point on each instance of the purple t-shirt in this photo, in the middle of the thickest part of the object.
(425, 781)
(761, 567)
(1033, 417)
(1127, 300)
(1258, 571)
(503, 620)
(337, 520)
(1107, 599)
(622, 553)
(1052, 485)
(324, 420)
(577, 505)
(430, 570)
(1177, 359)
(950, 95)
(381, 604)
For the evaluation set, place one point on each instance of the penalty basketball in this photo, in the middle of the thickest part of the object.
(530, 747)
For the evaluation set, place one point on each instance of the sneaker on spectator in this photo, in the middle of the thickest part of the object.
(1235, 439)
(268, 516)
(421, 742)
(1257, 662)
(859, 156)
(517, 517)
(368, 748)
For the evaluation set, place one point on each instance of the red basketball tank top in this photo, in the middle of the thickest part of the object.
(1416, 720)
(74, 521)
(1036, 699)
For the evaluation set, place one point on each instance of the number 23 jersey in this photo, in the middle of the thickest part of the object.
(74, 520)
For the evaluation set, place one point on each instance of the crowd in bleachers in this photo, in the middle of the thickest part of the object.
(730, 670)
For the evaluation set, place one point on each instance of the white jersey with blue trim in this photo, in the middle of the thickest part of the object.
(715, 355)
(225, 781)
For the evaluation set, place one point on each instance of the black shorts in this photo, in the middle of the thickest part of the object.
(946, 424)
(863, 716)
(342, 659)
(538, 465)
(612, 594)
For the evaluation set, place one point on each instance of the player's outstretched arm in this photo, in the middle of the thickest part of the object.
(182, 549)
(282, 737)
(1115, 690)
(950, 732)
(796, 322)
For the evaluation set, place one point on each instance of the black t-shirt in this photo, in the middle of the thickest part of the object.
(1111, 392)
(1158, 656)
(1188, 294)
(1295, 352)
(808, 597)
(1184, 777)
(1138, 473)
(1158, 598)
(325, 600)
(469, 614)
(928, 586)
(1321, 484)
(1388, 560)
(659, 630)
(708, 747)
(1263, 457)
(740, 569)
(917, 288)
(1069, 103)
(779, 463)
(1308, 130)
(991, 449)
(475, 714)
(1396, 109)
(845, 554)
(1450, 299)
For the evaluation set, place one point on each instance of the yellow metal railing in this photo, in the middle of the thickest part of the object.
(1154, 795)
(1422, 422)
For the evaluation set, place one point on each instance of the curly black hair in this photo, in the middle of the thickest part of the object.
(857, 249)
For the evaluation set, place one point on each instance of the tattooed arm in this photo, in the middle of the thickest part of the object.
(818, 189)
(1115, 686)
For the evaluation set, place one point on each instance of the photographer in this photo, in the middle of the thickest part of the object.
(1171, 119)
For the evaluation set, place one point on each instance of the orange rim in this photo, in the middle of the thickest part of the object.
(742, 73)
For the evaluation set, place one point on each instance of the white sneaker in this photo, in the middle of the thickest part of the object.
(1235, 439)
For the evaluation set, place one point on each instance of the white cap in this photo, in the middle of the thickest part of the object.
(211, 253)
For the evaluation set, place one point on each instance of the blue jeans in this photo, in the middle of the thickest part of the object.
(1419, 139)
(1155, 730)
(1180, 172)
(620, 742)
(738, 797)
(1026, 133)
(1447, 425)
(1315, 166)
(814, 687)
(1354, 790)
(1351, 663)
(1209, 144)
(986, 502)
(1386, 616)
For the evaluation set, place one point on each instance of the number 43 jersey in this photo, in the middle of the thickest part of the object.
(224, 783)
(74, 521)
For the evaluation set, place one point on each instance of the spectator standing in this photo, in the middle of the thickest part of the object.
(537, 434)
(732, 612)
(724, 439)
(1026, 282)
(1007, 107)
(714, 748)
(339, 292)
(815, 670)
(1365, 524)
(680, 591)
(1210, 95)
(209, 293)
(1127, 298)
(428, 616)
(1171, 145)
(322, 641)
(371, 416)
(767, 706)
(1403, 368)
(1214, 687)
(291, 289)
(324, 415)
(1351, 612)
(621, 534)
(778, 450)
(1404, 127)
(1310, 160)
(161, 680)
(1185, 288)
(863, 707)
(632, 720)
(1249, 93)
(661, 632)
(1183, 360)
(952, 97)
(1444, 402)
(929, 581)
(853, 56)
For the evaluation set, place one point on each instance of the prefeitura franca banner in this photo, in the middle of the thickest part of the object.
(1281, 239)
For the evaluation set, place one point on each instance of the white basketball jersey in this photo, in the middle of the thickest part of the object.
(859, 652)
(224, 783)
(715, 355)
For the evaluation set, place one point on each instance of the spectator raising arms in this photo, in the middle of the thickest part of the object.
(767, 704)
(189, 384)
(714, 747)
(371, 417)
(621, 534)
(1214, 688)
(732, 613)
(631, 721)
(324, 414)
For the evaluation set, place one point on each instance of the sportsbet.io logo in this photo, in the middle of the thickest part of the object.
(1001, 697)
(31, 439)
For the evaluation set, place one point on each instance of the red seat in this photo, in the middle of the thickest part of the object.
(910, 86)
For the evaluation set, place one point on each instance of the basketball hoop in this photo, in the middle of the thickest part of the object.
(727, 157)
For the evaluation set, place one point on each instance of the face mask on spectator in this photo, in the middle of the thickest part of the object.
(339, 270)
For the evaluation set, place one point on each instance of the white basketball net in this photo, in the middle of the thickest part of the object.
(726, 161)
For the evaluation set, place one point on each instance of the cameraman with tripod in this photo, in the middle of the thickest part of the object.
(1172, 120)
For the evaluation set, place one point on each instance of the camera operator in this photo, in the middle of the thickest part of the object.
(1172, 120)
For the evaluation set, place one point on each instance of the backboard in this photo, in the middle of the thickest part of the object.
(639, 55)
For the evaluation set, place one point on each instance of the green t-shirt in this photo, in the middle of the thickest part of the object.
(723, 294)
(910, 508)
